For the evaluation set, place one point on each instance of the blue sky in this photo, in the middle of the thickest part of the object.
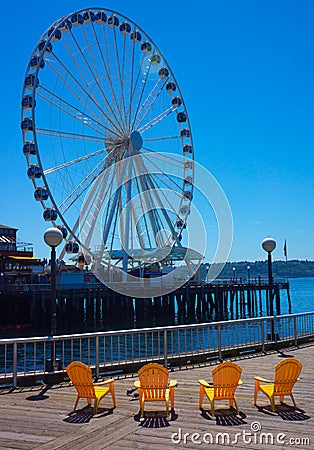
(245, 69)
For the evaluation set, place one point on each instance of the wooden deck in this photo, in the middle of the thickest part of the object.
(40, 418)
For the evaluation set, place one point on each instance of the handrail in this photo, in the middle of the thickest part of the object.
(45, 287)
(24, 357)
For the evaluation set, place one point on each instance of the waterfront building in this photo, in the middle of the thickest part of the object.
(17, 261)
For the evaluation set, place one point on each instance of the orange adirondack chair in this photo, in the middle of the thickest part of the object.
(286, 374)
(81, 378)
(226, 378)
(153, 386)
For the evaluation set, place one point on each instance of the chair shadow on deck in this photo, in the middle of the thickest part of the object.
(85, 414)
(225, 417)
(286, 412)
(40, 396)
(155, 419)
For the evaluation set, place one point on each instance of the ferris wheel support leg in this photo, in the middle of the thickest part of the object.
(127, 222)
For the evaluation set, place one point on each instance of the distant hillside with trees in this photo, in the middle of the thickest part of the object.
(281, 269)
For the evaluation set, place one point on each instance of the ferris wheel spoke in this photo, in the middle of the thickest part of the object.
(98, 77)
(165, 138)
(114, 233)
(109, 196)
(156, 119)
(149, 102)
(141, 230)
(77, 88)
(74, 161)
(131, 85)
(139, 108)
(96, 81)
(68, 135)
(140, 88)
(123, 105)
(113, 207)
(172, 183)
(155, 191)
(170, 187)
(78, 191)
(163, 157)
(94, 205)
(84, 214)
(109, 78)
(77, 114)
(106, 63)
(75, 91)
(147, 200)
(156, 188)
(122, 109)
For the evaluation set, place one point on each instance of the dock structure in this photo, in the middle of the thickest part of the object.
(192, 303)
(42, 417)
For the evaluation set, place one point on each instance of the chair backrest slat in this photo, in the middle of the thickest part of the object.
(154, 381)
(286, 374)
(226, 378)
(81, 377)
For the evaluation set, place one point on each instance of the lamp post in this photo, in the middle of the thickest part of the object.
(207, 270)
(53, 237)
(234, 274)
(248, 274)
(269, 245)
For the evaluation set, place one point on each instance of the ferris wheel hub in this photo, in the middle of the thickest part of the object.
(136, 140)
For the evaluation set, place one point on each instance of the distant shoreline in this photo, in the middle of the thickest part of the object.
(253, 269)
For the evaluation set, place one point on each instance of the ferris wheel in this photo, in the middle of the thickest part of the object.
(107, 137)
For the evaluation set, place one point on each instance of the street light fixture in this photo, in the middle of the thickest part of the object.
(269, 244)
(53, 237)
(248, 274)
(207, 270)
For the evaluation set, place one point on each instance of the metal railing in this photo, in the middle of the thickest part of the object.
(112, 350)
(8, 287)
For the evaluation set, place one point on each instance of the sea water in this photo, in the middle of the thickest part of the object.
(301, 294)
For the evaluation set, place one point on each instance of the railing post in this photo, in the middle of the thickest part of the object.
(219, 342)
(263, 335)
(274, 328)
(165, 348)
(295, 332)
(97, 356)
(14, 365)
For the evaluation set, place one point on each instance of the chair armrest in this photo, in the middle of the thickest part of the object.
(110, 380)
(264, 380)
(204, 383)
(173, 383)
(137, 384)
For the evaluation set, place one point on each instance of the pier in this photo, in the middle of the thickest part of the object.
(97, 304)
